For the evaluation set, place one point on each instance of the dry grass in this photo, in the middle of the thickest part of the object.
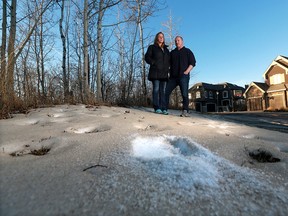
(40, 152)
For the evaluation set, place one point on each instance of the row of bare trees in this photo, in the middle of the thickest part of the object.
(70, 51)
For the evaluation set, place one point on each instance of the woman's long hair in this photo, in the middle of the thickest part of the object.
(156, 39)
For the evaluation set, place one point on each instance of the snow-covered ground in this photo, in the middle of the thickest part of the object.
(120, 161)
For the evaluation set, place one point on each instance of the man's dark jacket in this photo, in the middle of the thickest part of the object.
(180, 61)
(159, 61)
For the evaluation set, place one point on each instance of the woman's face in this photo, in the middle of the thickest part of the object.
(160, 38)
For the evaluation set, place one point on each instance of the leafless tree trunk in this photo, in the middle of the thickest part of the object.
(131, 65)
(3, 51)
(64, 55)
(77, 85)
(42, 80)
(41, 52)
(11, 54)
(68, 54)
(170, 35)
(141, 10)
(121, 65)
(171, 31)
(92, 54)
(25, 75)
(99, 49)
(37, 60)
(79, 68)
(143, 67)
(31, 30)
(85, 48)
(101, 10)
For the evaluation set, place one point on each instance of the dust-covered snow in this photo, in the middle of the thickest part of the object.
(120, 161)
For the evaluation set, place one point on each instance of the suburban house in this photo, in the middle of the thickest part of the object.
(273, 93)
(205, 97)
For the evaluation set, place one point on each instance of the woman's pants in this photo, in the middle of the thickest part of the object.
(159, 94)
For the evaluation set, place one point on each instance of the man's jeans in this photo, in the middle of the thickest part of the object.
(183, 83)
(159, 94)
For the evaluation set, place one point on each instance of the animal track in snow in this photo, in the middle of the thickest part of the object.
(27, 122)
(88, 129)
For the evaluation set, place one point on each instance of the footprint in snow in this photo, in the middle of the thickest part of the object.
(88, 129)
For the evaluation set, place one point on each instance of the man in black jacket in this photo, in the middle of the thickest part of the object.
(182, 61)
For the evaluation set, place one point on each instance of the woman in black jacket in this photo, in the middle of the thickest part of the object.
(158, 57)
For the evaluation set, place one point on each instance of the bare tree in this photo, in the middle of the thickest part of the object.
(64, 52)
(170, 33)
(99, 48)
(102, 7)
(13, 52)
(141, 10)
(77, 54)
(121, 64)
(42, 45)
(67, 80)
(90, 67)
(170, 30)
(85, 52)
(143, 65)
(11, 55)
(3, 49)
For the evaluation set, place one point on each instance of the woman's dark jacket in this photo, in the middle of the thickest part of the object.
(158, 60)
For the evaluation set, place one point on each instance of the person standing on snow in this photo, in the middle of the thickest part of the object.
(182, 61)
(158, 57)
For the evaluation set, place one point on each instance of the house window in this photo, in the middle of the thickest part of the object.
(238, 93)
(210, 94)
(198, 94)
(277, 79)
(225, 94)
(206, 94)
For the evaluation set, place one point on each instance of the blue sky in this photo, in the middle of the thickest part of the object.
(233, 40)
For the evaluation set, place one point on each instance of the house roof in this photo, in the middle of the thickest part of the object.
(284, 57)
(278, 87)
(218, 86)
(281, 61)
(205, 85)
(231, 86)
(261, 86)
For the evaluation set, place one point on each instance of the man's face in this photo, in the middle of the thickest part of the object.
(178, 42)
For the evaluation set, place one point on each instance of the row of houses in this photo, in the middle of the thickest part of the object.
(269, 95)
